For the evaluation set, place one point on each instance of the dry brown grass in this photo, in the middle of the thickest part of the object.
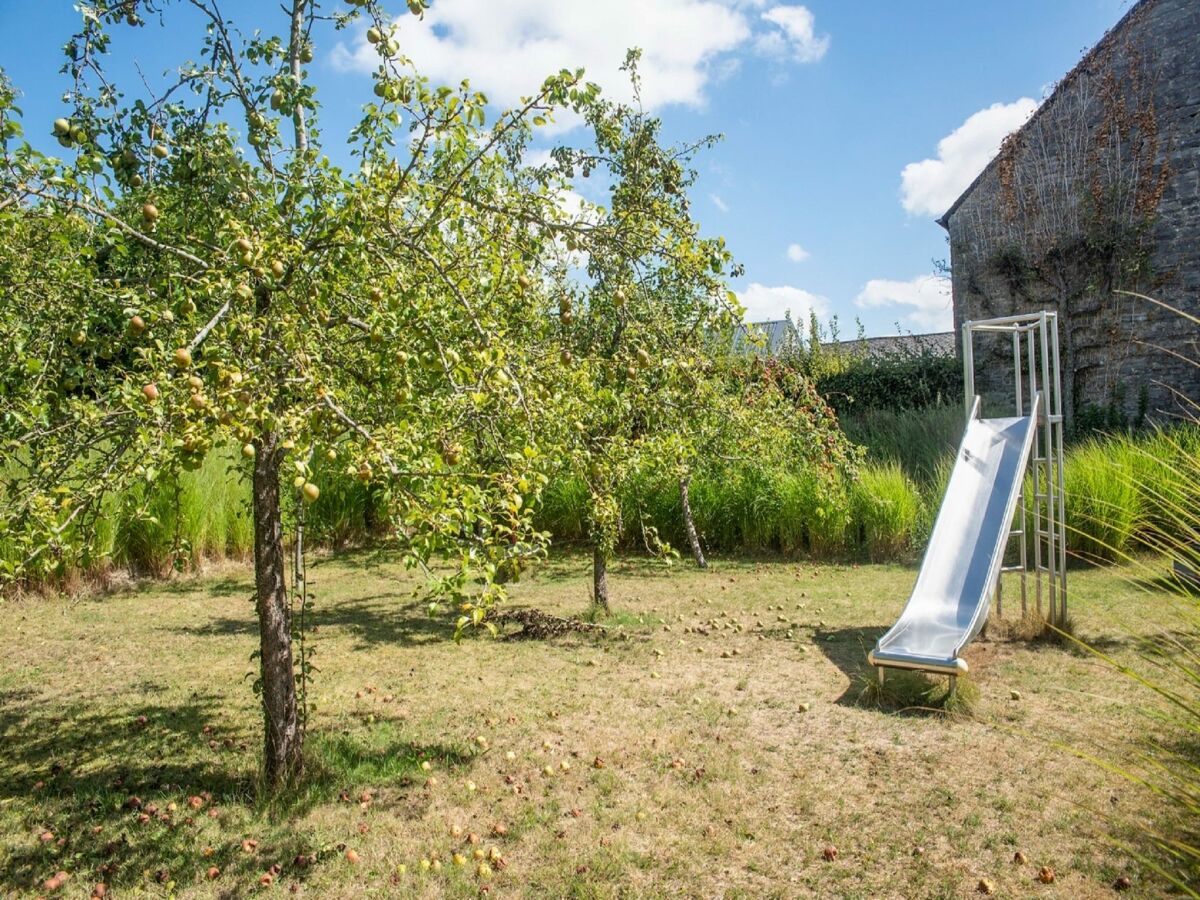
(713, 781)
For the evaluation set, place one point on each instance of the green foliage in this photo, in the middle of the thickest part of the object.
(1093, 419)
(886, 508)
(902, 380)
(933, 491)
(744, 508)
(1131, 493)
(197, 515)
(1154, 506)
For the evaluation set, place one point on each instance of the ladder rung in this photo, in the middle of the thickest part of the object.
(1016, 532)
(1012, 568)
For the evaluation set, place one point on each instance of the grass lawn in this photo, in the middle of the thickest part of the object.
(673, 758)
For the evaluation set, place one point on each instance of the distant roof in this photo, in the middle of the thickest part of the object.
(773, 334)
(939, 342)
(1105, 41)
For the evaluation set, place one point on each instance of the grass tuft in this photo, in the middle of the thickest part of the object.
(909, 691)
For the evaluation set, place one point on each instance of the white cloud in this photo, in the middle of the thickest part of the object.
(796, 253)
(507, 49)
(537, 157)
(764, 303)
(794, 37)
(925, 299)
(719, 203)
(931, 186)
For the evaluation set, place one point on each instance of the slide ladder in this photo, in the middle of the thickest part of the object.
(964, 561)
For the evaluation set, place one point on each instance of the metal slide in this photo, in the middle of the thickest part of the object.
(949, 604)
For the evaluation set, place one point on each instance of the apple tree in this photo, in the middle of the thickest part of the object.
(635, 321)
(194, 270)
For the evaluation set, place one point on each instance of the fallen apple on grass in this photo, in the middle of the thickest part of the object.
(55, 881)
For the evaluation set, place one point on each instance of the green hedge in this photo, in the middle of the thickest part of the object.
(894, 381)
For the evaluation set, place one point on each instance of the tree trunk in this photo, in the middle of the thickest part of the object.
(689, 524)
(600, 578)
(282, 751)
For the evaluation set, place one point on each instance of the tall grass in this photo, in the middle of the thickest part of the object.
(1157, 493)
(205, 515)
(1105, 509)
(752, 509)
(1130, 494)
(916, 439)
(1124, 494)
(887, 508)
(201, 515)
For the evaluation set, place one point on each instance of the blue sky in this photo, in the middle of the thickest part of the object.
(849, 124)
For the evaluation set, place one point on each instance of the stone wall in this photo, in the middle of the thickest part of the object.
(1099, 192)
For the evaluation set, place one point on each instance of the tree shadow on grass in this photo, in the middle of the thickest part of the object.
(574, 564)
(1167, 583)
(370, 620)
(847, 649)
(108, 787)
(228, 586)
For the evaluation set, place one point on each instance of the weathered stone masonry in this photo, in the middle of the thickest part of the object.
(1099, 192)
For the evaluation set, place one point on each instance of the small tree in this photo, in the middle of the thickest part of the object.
(634, 327)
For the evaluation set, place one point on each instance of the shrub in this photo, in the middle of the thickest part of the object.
(911, 379)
